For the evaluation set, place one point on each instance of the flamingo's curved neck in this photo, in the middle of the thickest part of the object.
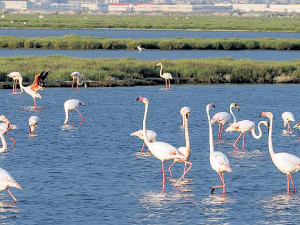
(187, 138)
(4, 144)
(231, 112)
(259, 131)
(161, 71)
(147, 142)
(270, 141)
(67, 116)
(211, 138)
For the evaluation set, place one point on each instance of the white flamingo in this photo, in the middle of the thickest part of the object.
(33, 123)
(6, 126)
(70, 105)
(223, 118)
(287, 117)
(285, 162)
(185, 150)
(166, 76)
(15, 76)
(243, 127)
(150, 134)
(77, 75)
(162, 150)
(183, 111)
(140, 49)
(218, 160)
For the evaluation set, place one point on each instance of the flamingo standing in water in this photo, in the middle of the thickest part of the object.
(244, 126)
(183, 111)
(140, 49)
(34, 87)
(185, 150)
(76, 75)
(72, 104)
(162, 150)
(15, 76)
(33, 123)
(285, 162)
(6, 180)
(223, 118)
(150, 134)
(4, 127)
(287, 117)
(218, 160)
(166, 76)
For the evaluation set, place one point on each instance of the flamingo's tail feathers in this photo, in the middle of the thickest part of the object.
(81, 103)
(228, 168)
(18, 185)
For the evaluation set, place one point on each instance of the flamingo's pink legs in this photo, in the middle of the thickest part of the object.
(82, 118)
(164, 179)
(72, 117)
(73, 83)
(13, 197)
(221, 131)
(13, 85)
(34, 103)
(221, 175)
(289, 127)
(77, 83)
(236, 141)
(190, 167)
(169, 83)
(13, 140)
(170, 168)
(288, 183)
(166, 83)
(142, 150)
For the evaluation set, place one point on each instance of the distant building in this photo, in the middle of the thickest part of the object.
(20, 5)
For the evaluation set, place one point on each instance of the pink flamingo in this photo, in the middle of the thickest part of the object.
(223, 118)
(150, 134)
(72, 104)
(4, 127)
(287, 117)
(185, 150)
(218, 160)
(162, 150)
(166, 76)
(243, 127)
(76, 75)
(15, 76)
(285, 162)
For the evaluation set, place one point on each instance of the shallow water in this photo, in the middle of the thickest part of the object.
(93, 173)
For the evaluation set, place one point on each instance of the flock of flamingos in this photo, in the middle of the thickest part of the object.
(285, 162)
(6, 180)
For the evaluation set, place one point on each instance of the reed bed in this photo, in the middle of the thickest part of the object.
(129, 72)
(90, 43)
(81, 21)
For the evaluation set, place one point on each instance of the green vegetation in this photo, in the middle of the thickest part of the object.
(83, 42)
(81, 21)
(129, 72)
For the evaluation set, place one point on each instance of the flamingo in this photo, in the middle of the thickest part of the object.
(288, 117)
(223, 118)
(34, 87)
(140, 49)
(244, 126)
(33, 123)
(15, 76)
(285, 162)
(150, 134)
(218, 160)
(162, 150)
(185, 150)
(183, 111)
(72, 104)
(4, 127)
(166, 76)
(77, 75)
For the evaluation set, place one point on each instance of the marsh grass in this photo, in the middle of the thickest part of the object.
(106, 72)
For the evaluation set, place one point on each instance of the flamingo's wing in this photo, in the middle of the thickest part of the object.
(35, 85)
(221, 117)
(42, 78)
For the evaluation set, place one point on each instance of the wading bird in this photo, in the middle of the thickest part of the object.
(15, 76)
(77, 75)
(166, 76)
(162, 150)
(223, 118)
(140, 49)
(183, 111)
(6, 126)
(285, 162)
(218, 160)
(151, 135)
(33, 123)
(287, 117)
(70, 105)
(7, 181)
